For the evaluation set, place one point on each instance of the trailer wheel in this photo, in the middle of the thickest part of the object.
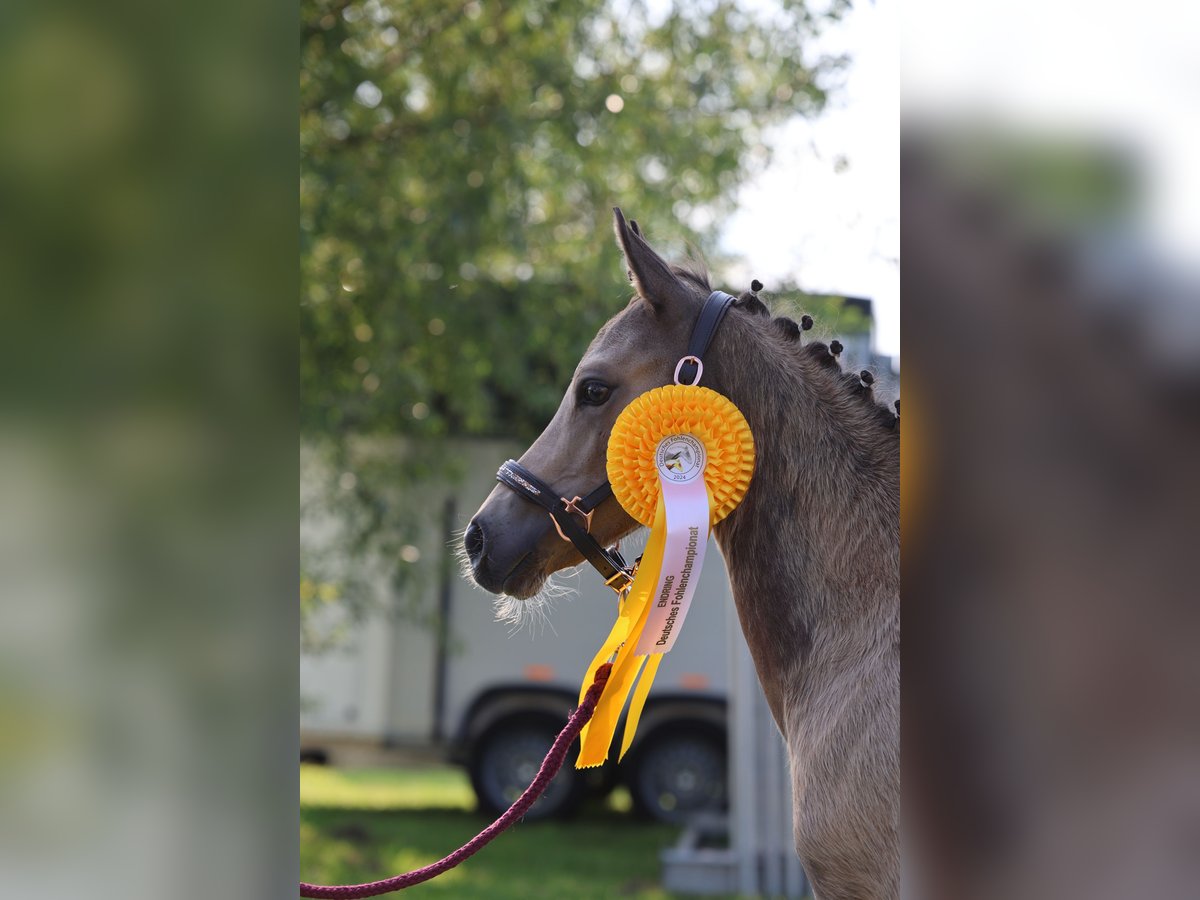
(505, 760)
(678, 770)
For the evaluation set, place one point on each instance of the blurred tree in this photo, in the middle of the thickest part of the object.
(458, 166)
(459, 162)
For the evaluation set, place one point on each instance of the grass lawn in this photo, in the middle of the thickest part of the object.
(363, 825)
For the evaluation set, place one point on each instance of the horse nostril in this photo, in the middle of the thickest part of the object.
(473, 543)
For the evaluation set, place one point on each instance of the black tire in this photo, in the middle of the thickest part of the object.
(678, 770)
(505, 760)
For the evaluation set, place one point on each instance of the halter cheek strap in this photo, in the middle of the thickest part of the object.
(689, 369)
(573, 518)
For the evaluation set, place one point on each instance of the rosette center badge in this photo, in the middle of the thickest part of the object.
(680, 458)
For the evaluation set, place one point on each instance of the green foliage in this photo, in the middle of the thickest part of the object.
(372, 519)
(458, 166)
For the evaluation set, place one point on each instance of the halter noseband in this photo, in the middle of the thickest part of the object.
(573, 518)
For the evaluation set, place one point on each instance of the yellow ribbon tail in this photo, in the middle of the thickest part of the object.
(638, 701)
(597, 735)
(593, 747)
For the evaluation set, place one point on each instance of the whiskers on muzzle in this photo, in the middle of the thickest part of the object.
(461, 557)
(532, 613)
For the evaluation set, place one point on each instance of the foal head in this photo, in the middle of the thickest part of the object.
(512, 544)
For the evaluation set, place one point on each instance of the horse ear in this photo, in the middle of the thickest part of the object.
(649, 272)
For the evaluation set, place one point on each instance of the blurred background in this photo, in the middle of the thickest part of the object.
(459, 165)
(147, 449)
(1051, 222)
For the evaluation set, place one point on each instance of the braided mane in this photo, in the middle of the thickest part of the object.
(824, 356)
(856, 384)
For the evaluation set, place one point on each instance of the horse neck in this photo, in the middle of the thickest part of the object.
(813, 549)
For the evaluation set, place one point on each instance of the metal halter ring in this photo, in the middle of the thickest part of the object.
(699, 369)
(571, 507)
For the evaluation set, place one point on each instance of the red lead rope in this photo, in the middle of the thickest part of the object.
(550, 766)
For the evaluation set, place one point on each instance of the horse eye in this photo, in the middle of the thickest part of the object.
(594, 393)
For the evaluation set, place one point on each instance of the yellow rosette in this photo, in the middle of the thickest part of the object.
(695, 417)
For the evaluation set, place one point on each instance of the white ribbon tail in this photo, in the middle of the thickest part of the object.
(687, 537)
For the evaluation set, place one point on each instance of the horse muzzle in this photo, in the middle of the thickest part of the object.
(503, 554)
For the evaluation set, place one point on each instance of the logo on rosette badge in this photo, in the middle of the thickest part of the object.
(680, 458)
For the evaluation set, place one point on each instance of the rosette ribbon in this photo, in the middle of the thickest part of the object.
(680, 459)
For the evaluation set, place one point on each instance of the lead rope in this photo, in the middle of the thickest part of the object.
(550, 766)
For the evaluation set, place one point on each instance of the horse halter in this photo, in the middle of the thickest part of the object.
(573, 518)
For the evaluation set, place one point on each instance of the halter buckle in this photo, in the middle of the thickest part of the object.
(699, 369)
(624, 581)
(571, 506)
